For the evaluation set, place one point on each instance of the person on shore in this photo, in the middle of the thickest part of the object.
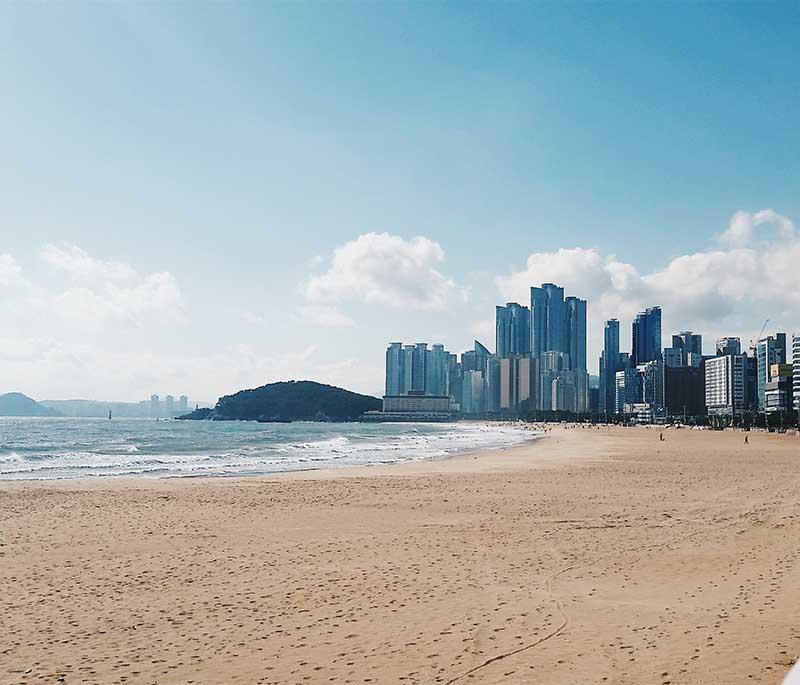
(746, 439)
(661, 437)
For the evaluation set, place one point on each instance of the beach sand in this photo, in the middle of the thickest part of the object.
(590, 556)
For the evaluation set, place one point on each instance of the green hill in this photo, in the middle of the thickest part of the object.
(290, 401)
(17, 404)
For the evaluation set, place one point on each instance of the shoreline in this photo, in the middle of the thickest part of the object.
(532, 435)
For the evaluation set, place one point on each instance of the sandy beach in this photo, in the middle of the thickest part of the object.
(590, 556)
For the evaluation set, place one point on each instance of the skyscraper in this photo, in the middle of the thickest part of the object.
(609, 365)
(436, 371)
(548, 320)
(513, 330)
(538, 321)
(770, 350)
(576, 333)
(646, 345)
(394, 369)
(688, 343)
(418, 371)
(415, 368)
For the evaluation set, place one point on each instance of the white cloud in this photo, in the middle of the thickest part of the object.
(10, 271)
(81, 266)
(152, 298)
(109, 291)
(378, 268)
(743, 227)
(716, 292)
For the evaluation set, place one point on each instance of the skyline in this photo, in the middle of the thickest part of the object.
(193, 204)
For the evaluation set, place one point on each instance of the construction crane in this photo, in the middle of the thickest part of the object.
(754, 343)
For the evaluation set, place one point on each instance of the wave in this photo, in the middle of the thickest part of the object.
(185, 450)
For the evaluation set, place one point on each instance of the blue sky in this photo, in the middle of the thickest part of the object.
(224, 151)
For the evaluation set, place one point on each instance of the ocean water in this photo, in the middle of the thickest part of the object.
(59, 448)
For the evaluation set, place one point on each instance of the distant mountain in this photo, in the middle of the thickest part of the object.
(17, 404)
(290, 401)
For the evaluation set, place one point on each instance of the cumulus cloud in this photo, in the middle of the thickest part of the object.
(100, 291)
(744, 226)
(379, 268)
(715, 291)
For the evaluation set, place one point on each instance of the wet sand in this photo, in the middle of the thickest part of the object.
(600, 556)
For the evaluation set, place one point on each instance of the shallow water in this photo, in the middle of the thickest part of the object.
(57, 448)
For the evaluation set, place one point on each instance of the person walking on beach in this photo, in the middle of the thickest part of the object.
(661, 437)
(746, 439)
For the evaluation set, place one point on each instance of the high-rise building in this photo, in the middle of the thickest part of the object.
(688, 343)
(513, 330)
(778, 390)
(609, 365)
(796, 370)
(416, 369)
(183, 404)
(538, 321)
(770, 350)
(564, 392)
(394, 369)
(673, 357)
(576, 332)
(646, 329)
(684, 390)
(628, 389)
(436, 371)
(474, 395)
(169, 405)
(556, 318)
(750, 382)
(729, 345)
(558, 325)
(455, 381)
(548, 320)
(516, 374)
(493, 384)
(155, 406)
(652, 383)
(725, 380)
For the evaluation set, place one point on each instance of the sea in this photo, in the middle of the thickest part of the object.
(69, 448)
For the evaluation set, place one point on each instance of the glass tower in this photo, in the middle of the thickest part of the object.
(646, 345)
(513, 330)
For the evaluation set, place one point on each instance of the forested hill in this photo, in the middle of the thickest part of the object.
(290, 401)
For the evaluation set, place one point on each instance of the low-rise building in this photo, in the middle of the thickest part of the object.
(414, 402)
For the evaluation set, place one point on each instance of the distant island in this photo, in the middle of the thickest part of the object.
(17, 404)
(289, 401)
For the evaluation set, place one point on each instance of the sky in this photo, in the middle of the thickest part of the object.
(202, 197)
